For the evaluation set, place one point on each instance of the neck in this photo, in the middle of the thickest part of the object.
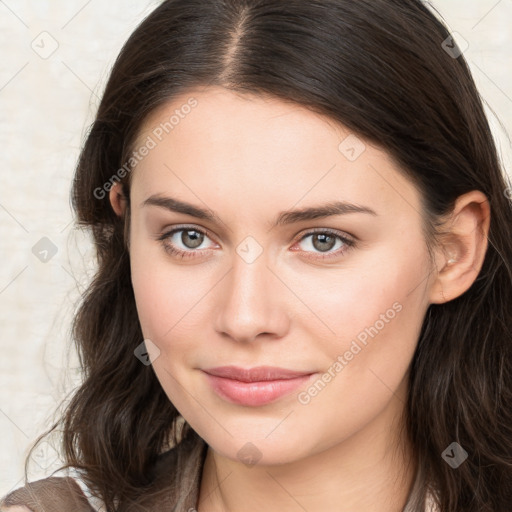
(371, 471)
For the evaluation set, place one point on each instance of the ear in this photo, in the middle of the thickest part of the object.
(117, 199)
(461, 255)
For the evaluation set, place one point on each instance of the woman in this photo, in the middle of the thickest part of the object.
(304, 277)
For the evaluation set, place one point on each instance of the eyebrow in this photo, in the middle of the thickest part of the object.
(283, 218)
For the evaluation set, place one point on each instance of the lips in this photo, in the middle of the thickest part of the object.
(255, 386)
(256, 374)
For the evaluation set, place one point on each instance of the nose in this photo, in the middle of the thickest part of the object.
(251, 302)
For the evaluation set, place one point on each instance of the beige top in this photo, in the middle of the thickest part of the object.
(177, 475)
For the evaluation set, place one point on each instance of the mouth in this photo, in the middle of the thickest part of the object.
(255, 386)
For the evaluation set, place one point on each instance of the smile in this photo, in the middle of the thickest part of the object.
(254, 387)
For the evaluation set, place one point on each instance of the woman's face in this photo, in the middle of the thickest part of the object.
(339, 296)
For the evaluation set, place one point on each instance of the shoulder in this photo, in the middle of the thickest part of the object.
(176, 476)
(184, 459)
(47, 495)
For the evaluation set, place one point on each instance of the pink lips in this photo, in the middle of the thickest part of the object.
(254, 386)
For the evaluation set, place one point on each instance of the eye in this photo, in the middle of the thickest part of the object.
(323, 241)
(185, 242)
(185, 245)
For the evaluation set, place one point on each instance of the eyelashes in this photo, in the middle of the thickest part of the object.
(170, 247)
(197, 237)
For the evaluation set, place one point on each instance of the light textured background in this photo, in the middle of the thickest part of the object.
(46, 104)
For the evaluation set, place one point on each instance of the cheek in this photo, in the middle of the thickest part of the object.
(159, 291)
(374, 314)
(372, 294)
(377, 319)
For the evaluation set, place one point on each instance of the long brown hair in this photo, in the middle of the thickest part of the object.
(383, 69)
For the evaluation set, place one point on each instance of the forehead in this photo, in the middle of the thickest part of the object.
(239, 145)
(198, 108)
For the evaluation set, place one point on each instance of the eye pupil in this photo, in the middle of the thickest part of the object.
(197, 240)
(323, 237)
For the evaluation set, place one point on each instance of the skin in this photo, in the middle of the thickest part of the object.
(247, 158)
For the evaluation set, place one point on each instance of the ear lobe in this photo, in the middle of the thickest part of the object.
(117, 199)
(460, 258)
